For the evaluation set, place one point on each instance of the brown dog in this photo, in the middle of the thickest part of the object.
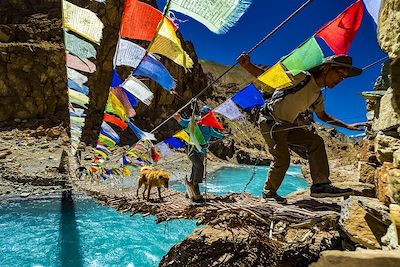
(152, 177)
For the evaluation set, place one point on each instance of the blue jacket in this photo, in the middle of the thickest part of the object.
(207, 132)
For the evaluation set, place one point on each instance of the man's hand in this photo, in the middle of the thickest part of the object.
(244, 60)
(177, 117)
(355, 126)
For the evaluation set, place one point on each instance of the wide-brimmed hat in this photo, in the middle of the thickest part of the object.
(343, 61)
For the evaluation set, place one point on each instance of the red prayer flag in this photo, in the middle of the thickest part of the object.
(210, 120)
(115, 120)
(340, 32)
(140, 20)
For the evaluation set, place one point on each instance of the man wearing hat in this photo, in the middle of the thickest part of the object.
(279, 126)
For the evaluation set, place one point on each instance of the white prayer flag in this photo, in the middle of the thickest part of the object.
(230, 110)
(164, 149)
(138, 89)
(82, 21)
(373, 7)
(77, 77)
(216, 15)
(128, 54)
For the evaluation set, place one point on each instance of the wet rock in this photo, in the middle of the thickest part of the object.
(25, 194)
(359, 226)
(386, 145)
(362, 257)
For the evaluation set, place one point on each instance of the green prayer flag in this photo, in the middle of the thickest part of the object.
(196, 137)
(79, 47)
(305, 57)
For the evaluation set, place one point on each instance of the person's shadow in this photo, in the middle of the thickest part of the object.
(70, 250)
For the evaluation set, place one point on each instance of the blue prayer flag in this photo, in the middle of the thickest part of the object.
(82, 89)
(132, 99)
(152, 68)
(114, 138)
(174, 142)
(248, 97)
(116, 80)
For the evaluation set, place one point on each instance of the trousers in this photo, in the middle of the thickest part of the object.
(278, 142)
(197, 160)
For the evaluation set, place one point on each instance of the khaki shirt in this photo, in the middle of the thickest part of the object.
(308, 98)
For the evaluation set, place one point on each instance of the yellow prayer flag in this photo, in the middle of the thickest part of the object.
(82, 21)
(275, 77)
(115, 105)
(126, 171)
(182, 135)
(101, 153)
(133, 154)
(166, 43)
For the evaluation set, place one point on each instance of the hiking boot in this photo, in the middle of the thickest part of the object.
(328, 190)
(198, 199)
(274, 197)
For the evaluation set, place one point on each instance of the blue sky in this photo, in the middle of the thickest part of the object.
(344, 101)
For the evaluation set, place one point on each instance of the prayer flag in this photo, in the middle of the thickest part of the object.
(103, 148)
(115, 120)
(164, 149)
(196, 137)
(108, 131)
(305, 57)
(126, 171)
(138, 89)
(216, 15)
(183, 135)
(152, 68)
(115, 80)
(373, 8)
(79, 64)
(210, 120)
(119, 93)
(174, 142)
(249, 97)
(82, 89)
(78, 98)
(101, 153)
(132, 99)
(82, 21)
(79, 47)
(229, 110)
(142, 135)
(77, 112)
(106, 140)
(166, 43)
(139, 20)
(115, 106)
(340, 32)
(128, 54)
(77, 77)
(155, 156)
(275, 77)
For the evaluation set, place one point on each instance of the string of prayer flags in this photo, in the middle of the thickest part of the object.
(108, 131)
(305, 57)
(275, 77)
(340, 32)
(373, 8)
(166, 43)
(229, 110)
(115, 106)
(174, 142)
(82, 89)
(82, 21)
(249, 97)
(139, 20)
(152, 68)
(106, 140)
(218, 15)
(164, 149)
(142, 135)
(196, 137)
(138, 89)
(101, 153)
(115, 120)
(79, 64)
(78, 98)
(77, 77)
(128, 54)
(183, 135)
(103, 148)
(119, 93)
(210, 120)
(78, 121)
(79, 47)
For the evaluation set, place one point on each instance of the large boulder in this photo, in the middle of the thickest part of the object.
(388, 117)
(389, 27)
(370, 258)
(387, 181)
(359, 225)
(385, 145)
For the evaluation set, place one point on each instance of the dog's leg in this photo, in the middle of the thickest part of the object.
(159, 193)
(139, 186)
(144, 190)
(148, 193)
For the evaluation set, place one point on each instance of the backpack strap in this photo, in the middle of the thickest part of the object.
(279, 94)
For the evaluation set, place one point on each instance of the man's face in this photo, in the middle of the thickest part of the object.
(334, 76)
